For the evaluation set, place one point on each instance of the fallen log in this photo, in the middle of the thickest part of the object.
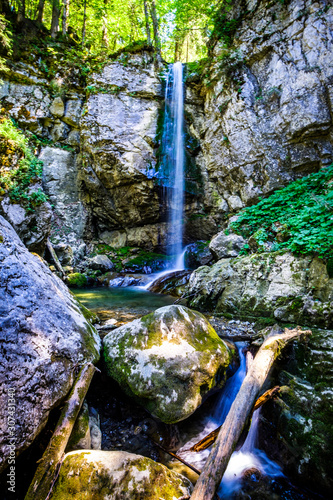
(49, 465)
(55, 258)
(208, 440)
(240, 410)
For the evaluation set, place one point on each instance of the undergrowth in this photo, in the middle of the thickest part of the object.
(298, 217)
(19, 167)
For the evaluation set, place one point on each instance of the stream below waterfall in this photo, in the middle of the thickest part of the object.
(126, 426)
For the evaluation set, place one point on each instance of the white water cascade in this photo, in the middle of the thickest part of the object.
(172, 163)
(171, 170)
(249, 456)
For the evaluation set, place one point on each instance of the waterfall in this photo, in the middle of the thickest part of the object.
(171, 172)
(249, 456)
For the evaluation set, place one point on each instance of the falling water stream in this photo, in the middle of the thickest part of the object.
(172, 162)
(171, 169)
(249, 456)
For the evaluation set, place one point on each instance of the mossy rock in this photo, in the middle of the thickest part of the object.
(99, 475)
(77, 280)
(168, 361)
(302, 416)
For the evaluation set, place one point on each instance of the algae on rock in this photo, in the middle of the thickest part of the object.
(118, 475)
(168, 360)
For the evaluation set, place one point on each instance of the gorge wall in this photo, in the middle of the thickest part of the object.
(258, 115)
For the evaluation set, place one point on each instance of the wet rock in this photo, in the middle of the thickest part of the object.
(117, 474)
(123, 279)
(301, 418)
(197, 254)
(171, 284)
(101, 263)
(45, 338)
(224, 245)
(168, 360)
(271, 285)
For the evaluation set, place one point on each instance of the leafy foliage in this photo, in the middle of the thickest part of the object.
(298, 217)
(5, 42)
(19, 167)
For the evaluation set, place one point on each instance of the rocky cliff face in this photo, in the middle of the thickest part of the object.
(267, 103)
(118, 133)
(258, 117)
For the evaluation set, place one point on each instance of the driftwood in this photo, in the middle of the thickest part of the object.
(208, 440)
(55, 258)
(173, 455)
(240, 410)
(48, 467)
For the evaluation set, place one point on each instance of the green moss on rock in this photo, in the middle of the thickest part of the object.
(99, 475)
(168, 361)
(77, 280)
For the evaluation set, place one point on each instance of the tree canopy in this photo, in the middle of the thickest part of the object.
(179, 29)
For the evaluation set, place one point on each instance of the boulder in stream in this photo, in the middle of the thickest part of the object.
(168, 360)
(44, 339)
(118, 475)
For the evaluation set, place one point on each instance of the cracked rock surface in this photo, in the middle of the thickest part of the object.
(44, 340)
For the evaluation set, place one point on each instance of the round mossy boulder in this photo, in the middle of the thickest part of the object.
(118, 475)
(168, 360)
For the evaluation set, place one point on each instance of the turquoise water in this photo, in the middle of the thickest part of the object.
(111, 302)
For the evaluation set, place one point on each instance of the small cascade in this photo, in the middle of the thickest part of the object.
(171, 171)
(249, 456)
(220, 411)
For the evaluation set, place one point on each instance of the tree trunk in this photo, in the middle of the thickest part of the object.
(208, 440)
(240, 410)
(105, 38)
(156, 30)
(40, 11)
(55, 258)
(49, 464)
(55, 18)
(84, 23)
(147, 22)
(65, 13)
(21, 11)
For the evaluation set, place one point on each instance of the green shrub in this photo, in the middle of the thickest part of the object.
(19, 173)
(298, 217)
(77, 280)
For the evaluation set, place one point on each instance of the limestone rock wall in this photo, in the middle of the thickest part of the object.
(118, 133)
(267, 103)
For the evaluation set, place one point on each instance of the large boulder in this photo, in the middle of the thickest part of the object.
(280, 286)
(101, 263)
(168, 360)
(117, 475)
(44, 339)
(224, 245)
